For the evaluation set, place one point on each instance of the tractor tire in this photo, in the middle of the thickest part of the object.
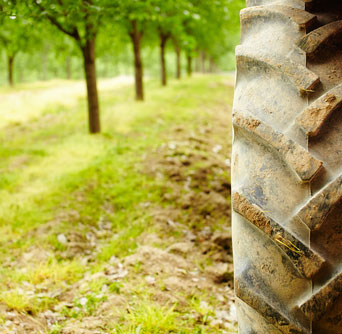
(287, 168)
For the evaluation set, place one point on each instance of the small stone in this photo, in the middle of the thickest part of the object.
(11, 315)
(62, 239)
(221, 272)
(8, 323)
(150, 280)
(90, 236)
(204, 304)
(171, 223)
(83, 301)
(114, 260)
(182, 248)
(206, 232)
(220, 298)
(222, 315)
(217, 148)
(216, 323)
(191, 236)
(227, 162)
(122, 273)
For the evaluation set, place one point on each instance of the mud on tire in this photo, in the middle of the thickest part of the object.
(287, 168)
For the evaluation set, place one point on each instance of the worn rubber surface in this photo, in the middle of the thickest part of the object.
(287, 168)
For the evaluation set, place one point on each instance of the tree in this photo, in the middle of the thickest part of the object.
(64, 51)
(169, 18)
(178, 58)
(80, 20)
(201, 28)
(214, 25)
(141, 18)
(136, 35)
(135, 17)
(164, 37)
(113, 48)
(16, 35)
(180, 43)
(189, 46)
(178, 21)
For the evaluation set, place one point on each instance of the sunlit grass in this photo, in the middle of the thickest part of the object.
(47, 174)
(55, 272)
(51, 273)
(26, 101)
(17, 286)
(146, 317)
(18, 301)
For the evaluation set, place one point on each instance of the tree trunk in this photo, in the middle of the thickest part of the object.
(20, 74)
(197, 63)
(10, 70)
(138, 65)
(90, 73)
(178, 62)
(44, 68)
(163, 40)
(68, 67)
(203, 59)
(212, 65)
(189, 65)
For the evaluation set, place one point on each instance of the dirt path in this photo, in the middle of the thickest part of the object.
(186, 262)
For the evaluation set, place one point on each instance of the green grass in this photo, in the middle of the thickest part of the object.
(148, 318)
(56, 179)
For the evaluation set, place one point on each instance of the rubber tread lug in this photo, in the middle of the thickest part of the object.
(314, 213)
(307, 262)
(302, 18)
(323, 300)
(247, 285)
(313, 42)
(313, 118)
(303, 79)
(295, 156)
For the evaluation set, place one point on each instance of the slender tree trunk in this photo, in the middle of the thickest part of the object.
(10, 70)
(44, 68)
(138, 65)
(212, 65)
(197, 64)
(178, 62)
(20, 74)
(189, 65)
(90, 73)
(203, 59)
(68, 67)
(163, 40)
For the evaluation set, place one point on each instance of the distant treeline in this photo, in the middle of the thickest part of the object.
(44, 39)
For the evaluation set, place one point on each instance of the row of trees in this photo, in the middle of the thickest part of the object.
(192, 27)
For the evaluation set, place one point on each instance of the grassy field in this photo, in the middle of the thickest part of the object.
(123, 232)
